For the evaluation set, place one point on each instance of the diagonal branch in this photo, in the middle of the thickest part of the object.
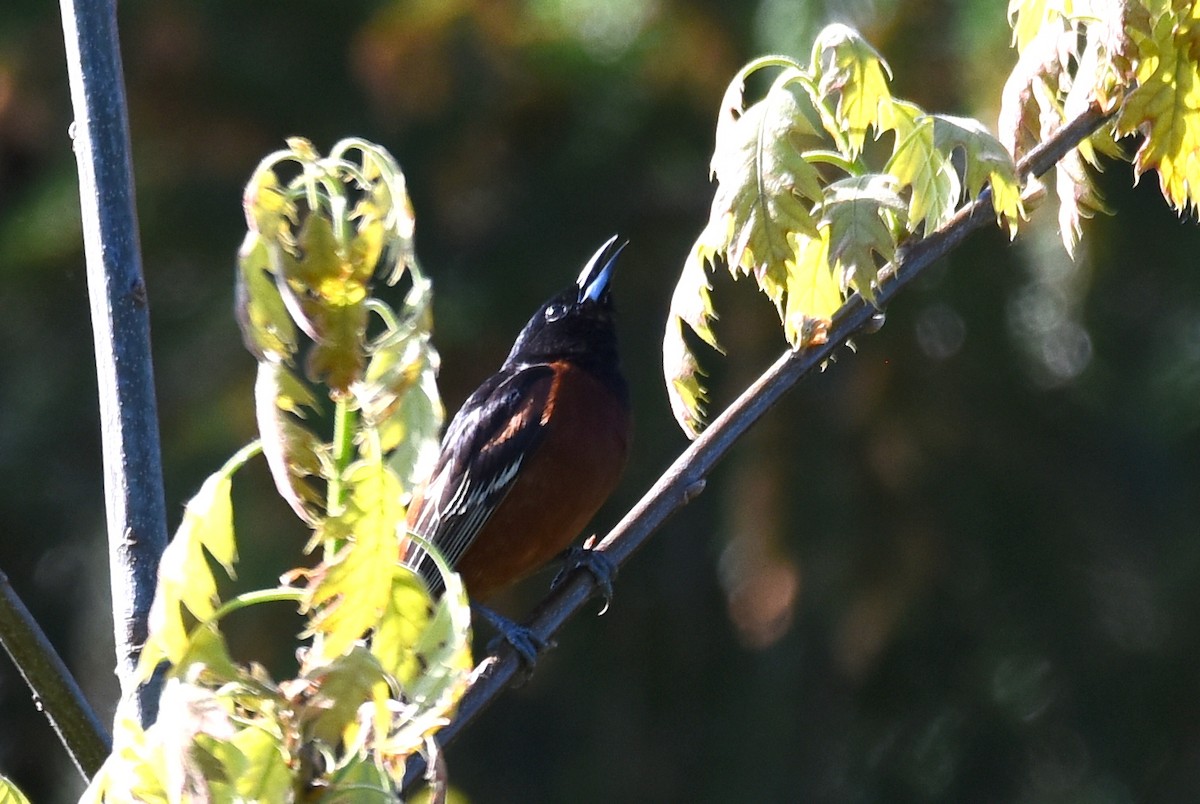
(54, 688)
(685, 478)
(137, 531)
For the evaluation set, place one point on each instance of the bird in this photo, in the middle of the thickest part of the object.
(535, 451)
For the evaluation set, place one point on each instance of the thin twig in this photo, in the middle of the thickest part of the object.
(685, 478)
(137, 531)
(54, 689)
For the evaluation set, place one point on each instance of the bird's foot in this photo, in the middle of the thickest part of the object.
(527, 644)
(596, 562)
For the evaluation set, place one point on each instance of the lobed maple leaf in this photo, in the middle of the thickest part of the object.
(1165, 106)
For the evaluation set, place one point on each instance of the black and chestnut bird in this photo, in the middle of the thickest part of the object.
(535, 450)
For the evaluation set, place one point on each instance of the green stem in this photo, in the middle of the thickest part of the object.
(838, 160)
(240, 457)
(828, 118)
(391, 324)
(254, 598)
(343, 455)
(774, 60)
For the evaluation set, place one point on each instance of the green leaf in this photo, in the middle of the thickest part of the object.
(411, 426)
(334, 691)
(360, 780)
(324, 235)
(326, 292)
(803, 209)
(1029, 17)
(407, 614)
(136, 770)
(221, 739)
(338, 355)
(398, 395)
(267, 328)
(920, 164)
(691, 305)
(10, 794)
(185, 579)
(227, 732)
(351, 589)
(206, 656)
(846, 63)
(1078, 198)
(442, 651)
(383, 216)
(291, 449)
(270, 207)
(859, 212)
(987, 162)
(261, 772)
(813, 292)
(1165, 107)
(765, 187)
(318, 267)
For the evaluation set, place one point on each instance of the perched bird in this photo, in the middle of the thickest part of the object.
(535, 450)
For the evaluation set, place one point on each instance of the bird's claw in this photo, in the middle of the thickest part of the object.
(596, 562)
(527, 644)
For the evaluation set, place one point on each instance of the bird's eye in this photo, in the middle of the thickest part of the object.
(555, 312)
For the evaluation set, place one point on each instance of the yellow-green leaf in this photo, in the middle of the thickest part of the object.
(338, 358)
(269, 208)
(848, 65)
(10, 793)
(323, 235)
(263, 773)
(411, 428)
(408, 612)
(925, 169)
(319, 267)
(360, 780)
(1029, 17)
(859, 212)
(1165, 107)
(336, 690)
(267, 328)
(987, 162)
(291, 449)
(1078, 198)
(765, 187)
(691, 306)
(813, 293)
(136, 770)
(351, 590)
(185, 579)
(443, 654)
(384, 214)
(207, 656)
(398, 393)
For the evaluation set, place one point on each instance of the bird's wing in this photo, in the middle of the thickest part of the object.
(484, 448)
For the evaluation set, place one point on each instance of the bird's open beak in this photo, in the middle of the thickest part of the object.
(593, 280)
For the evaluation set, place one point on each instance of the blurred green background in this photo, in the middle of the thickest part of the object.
(959, 565)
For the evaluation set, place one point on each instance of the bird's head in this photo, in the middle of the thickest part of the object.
(576, 324)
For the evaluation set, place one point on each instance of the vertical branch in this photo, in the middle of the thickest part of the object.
(121, 326)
